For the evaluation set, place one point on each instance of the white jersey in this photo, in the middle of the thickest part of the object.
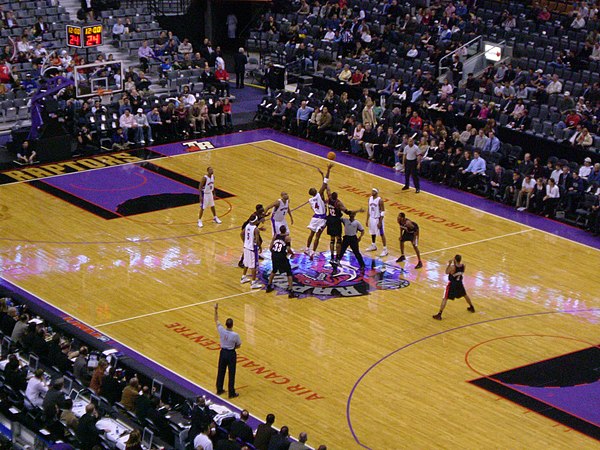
(318, 206)
(249, 241)
(209, 186)
(374, 207)
(279, 213)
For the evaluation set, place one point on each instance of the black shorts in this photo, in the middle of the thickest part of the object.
(334, 226)
(455, 290)
(407, 237)
(282, 265)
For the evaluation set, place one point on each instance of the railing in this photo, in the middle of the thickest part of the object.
(465, 51)
(161, 7)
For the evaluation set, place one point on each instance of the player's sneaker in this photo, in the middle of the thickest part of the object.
(384, 252)
(438, 316)
(401, 259)
(256, 285)
(371, 248)
(216, 220)
(270, 288)
(471, 309)
(200, 224)
(291, 294)
(419, 265)
(244, 279)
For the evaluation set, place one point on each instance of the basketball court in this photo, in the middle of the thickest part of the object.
(357, 362)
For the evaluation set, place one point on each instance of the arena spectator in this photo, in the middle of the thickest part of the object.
(128, 123)
(145, 54)
(185, 47)
(36, 388)
(26, 154)
(143, 130)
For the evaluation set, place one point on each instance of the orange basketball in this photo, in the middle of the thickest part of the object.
(331, 156)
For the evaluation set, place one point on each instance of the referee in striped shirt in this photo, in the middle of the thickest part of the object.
(352, 227)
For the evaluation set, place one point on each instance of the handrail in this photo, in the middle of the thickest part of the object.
(451, 54)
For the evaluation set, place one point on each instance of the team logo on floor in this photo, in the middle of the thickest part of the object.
(317, 278)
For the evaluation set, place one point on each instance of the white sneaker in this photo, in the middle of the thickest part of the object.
(200, 224)
(522, 208)
(245, 279)
(143, 142)
(384, 252)
(397, 167)
(216, 220)
(256, 285)
(371, 248)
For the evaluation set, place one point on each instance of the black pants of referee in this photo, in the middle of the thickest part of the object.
(411, 169)
(227, 360)
(352, 242)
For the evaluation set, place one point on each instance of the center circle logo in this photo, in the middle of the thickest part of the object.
(318, 278)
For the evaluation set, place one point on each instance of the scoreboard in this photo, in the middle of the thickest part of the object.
(84, 36)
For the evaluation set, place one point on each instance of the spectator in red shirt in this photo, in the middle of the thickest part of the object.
(572, 120)
(222, 84)
(357, 78)
(415, 122)
(5, 76)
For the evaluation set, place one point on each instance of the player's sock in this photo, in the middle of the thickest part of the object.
(438, 316)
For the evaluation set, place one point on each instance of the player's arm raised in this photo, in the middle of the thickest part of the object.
(270, 206)
(325, 179)
(450, 267)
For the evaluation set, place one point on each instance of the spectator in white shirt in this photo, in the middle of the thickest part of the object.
(36, 389)
(118, 29)
(143, 128)
(578, 22)
(202, 441)
(526, 188)
(586, 169)
(185, 47)
(555, 86)
(129, 125)
(329, 36)
(552, 197)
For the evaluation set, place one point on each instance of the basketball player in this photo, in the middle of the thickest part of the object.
(455, 288)
(207, 188)
(375, 215)
(281, 207)
(409, 232)
(318, 222)
(251, 237)
(261, 214)
(281, 247)
(335, 208)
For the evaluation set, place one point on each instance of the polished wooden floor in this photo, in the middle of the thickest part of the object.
(375, 370)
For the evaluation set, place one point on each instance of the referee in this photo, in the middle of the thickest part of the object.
(412, 164)
(229, 340)
(351, 227)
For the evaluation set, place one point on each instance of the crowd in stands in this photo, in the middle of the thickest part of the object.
(550, 88)
(194, 84)
(45, 394)
(383, 99)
